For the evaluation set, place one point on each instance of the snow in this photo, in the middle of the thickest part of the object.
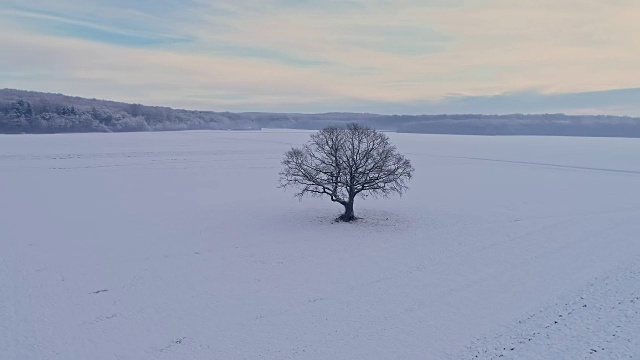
(600, 320)
(180, 246)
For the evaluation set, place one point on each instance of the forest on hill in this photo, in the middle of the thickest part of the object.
(45, 113)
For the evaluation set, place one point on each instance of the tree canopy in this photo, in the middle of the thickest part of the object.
(343, 163)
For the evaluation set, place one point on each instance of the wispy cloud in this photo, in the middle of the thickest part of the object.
(67, 26)
(331, 55)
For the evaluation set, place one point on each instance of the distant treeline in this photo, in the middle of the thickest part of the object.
(35, 112)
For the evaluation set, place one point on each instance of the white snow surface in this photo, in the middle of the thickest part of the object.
(180, 246)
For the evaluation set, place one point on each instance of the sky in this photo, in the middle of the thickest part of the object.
(379, 56)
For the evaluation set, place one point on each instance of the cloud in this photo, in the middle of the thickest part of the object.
(41, 22)
(286, 55)
(608, 102)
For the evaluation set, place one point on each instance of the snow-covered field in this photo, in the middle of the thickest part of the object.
(181, 246)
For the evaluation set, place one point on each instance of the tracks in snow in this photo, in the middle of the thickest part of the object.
(571, 167)
(600, 322)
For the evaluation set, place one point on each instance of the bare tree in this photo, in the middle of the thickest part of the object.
(345, 163)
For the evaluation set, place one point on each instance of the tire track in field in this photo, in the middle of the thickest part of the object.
(571, 167)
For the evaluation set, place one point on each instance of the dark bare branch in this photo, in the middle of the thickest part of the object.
(344, 163)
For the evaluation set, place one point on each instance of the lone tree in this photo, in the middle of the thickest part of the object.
(343, 163)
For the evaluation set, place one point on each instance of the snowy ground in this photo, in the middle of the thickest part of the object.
(180, 246)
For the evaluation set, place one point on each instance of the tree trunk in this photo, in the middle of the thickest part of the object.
(348, 212)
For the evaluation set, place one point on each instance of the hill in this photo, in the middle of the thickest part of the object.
(36, 112)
